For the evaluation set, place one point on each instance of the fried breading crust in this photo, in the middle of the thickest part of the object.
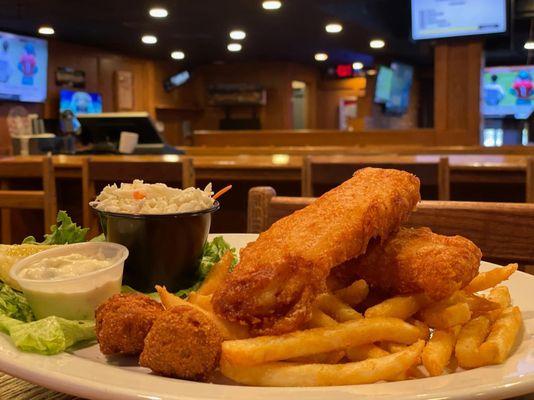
(123, 321)
(183, 343)
(416, 261)
(280, 274)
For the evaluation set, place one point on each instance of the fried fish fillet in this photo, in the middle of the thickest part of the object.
(415, 261)
(280, 274)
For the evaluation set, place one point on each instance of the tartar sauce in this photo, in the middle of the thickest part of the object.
(62, 267)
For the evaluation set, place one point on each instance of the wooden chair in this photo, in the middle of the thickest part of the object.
(97, 171)
(45, 199)
(332, 170)
(530, 180)
(504, 231)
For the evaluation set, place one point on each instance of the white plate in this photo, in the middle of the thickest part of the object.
(88, 374)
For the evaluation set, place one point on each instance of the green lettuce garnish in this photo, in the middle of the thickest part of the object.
(14, 305)
(211, 254)
(50, 335)
(64, 232)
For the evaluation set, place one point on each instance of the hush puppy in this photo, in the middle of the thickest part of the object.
(183, 343)
(123, 321)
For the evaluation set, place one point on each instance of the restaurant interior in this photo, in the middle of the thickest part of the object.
(281, 99)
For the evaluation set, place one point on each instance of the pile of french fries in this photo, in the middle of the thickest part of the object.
(399, 338)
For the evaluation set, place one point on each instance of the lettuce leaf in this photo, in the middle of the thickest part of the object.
(14, 304)
(64, 232)
(50, 335)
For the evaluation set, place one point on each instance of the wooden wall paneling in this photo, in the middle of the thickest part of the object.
(458, 65)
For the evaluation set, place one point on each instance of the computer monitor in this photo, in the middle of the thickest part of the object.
(107, 127)
(80, 102)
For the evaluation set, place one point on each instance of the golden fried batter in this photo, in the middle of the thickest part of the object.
(183, 343)
(416, 261)
(123, 321)
(280, 274)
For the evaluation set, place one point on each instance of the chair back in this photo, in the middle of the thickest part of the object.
(330, 171)
(45, 199)
(98, 172)
(503, 231)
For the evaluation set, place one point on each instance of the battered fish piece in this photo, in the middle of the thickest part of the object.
(416, 261)
(280, 274)
(123, 321)
(183, 343)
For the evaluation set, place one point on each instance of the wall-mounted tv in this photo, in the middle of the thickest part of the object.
(393, 85)
(23, 65)
(176, 80)
(434, 19)
(383, 84)
(80, 102)
(508, 91)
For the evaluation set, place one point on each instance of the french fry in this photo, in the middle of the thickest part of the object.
(319, 318)
(470, 338)
(423, 328)
(392, 347)
(228, 330)
(503, 335)
(479, 305)
(217, 274)
(501, 296)
(336, 309)
(365, 351)
(438, 351)
(264, 349)
(443, 318)
(398, 307)
(353, 294)
(203, 301)
(353, 373)
(486, 280)
(332, 357)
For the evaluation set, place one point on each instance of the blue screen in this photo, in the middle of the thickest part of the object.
(80, 102)
(401, 84)
(432, 19)
(23, 65)
(384, 80)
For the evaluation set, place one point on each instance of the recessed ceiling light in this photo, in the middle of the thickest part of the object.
(271, 4)
(371, 72)
(46, 30)
(357, 66)
(238, 35)
(377, 43)
(234, 47)
(178, 55)
(321, 56)
(158, 12)
(149, 39)
(529, 45)
(333, 28)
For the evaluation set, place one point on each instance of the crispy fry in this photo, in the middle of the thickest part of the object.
(443, 318)
(336, 309)
(332, 357)
(438, 351)
(228, 330)
(501, 296)
(319, 318)
(392, 347)
(399, 307)
(486, 280)
(353, 294)
(290, 374)
(318, 340)
(217, 274)
(423, 328)
(503, 335)
(365, 351)
(470, 338)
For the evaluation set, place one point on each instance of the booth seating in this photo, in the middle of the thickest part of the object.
(11, 175)
(503, 231)
(96, 173)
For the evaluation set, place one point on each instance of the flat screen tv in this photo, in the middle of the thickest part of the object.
(508, 91)
(384, 80)
(434, 19)
(401, 84)
(80, 102)
(23, 65)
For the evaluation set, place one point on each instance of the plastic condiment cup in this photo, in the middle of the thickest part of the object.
(76, 297)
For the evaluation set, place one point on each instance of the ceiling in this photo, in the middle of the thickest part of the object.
(293, 33)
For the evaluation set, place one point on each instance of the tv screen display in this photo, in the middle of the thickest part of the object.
(384, 80)
(401, 84)
(433, 19)
(176, 80)
(508, 91)
(80, 102)
(23, 64)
